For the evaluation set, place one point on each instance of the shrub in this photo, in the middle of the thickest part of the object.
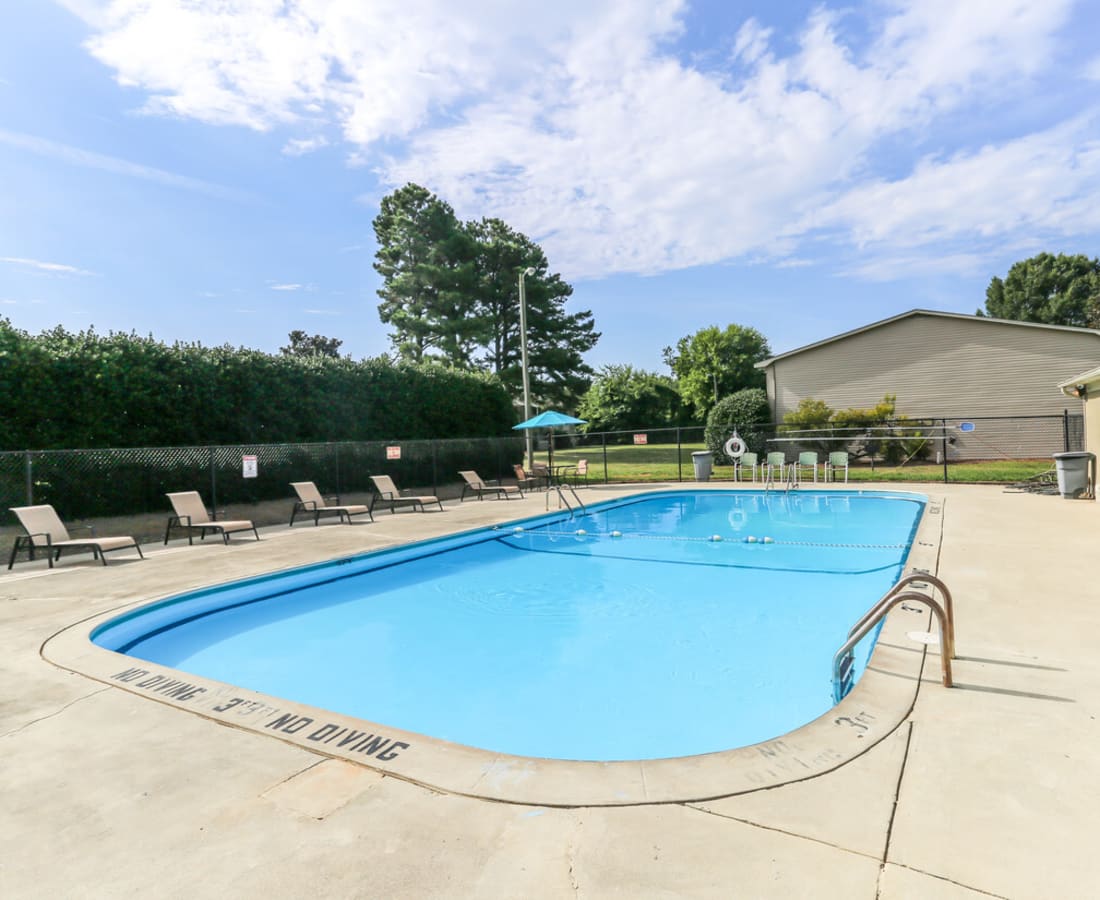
(746, 411)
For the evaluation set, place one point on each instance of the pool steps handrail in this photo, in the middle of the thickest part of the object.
(843, 659)
(563, 500)
(918, 579)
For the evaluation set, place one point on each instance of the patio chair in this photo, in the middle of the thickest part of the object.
(806, 461)
(475, 485)
(45, 531)
(837, 460)
(311, 501)
(531, 481)
(745, 461)
(192, 515)
(777, 459)
(579, 471)
(386, 492)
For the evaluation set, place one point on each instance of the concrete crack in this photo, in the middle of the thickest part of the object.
(57, 712)
(794, 834)
(944, 878)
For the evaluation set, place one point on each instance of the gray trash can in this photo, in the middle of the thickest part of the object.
(1073, 473)
(703, 460)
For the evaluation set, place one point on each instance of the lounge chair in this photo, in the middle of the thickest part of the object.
(531, 481)
(311, 501)
(45, 531)
(837, 460)
(192, 515)
(805, 461)
(475, 485)
(386, 492)
(746, 461)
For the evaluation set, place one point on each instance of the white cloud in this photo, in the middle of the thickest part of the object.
(287, 287)
(302, 146)
(581, 126)
(87, 159)
(1045, 181)
(322, 312)
(50, 267)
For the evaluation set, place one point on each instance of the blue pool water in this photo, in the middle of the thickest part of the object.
(642, 638)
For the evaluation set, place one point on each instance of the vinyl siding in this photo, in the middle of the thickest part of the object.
(939, 367)
(947, 367)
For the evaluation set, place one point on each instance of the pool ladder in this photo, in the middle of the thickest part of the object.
(844, 659)
(792, 480)
(564, 501)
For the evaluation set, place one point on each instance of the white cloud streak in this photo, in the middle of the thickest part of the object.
(583, 126)
(76, 156)
(50, 268)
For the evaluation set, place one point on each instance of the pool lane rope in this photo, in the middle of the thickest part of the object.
(710, 539)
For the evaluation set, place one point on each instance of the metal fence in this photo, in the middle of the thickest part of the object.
(942, 441)
(84, 484)
(128, 483)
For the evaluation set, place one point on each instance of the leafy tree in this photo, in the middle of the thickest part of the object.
(425, 258)
(713, 363)
(302, 344)
(748, 412)
(1055, 290)
(622, 397)
(450, 290)
(556, 339)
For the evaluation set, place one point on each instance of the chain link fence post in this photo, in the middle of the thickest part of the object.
(28, 468)
(213, 484)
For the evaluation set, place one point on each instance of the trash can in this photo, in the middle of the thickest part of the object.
(1073, 473)
(703, 460)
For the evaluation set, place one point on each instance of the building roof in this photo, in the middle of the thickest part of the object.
(923, 312)
(1086, 380)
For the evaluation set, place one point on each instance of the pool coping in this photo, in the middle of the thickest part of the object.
(879, 703)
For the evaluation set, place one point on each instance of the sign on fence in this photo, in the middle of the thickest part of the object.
(249, 466)
(393, 453)
(641, 439)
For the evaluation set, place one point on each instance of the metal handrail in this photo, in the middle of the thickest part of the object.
(947, 647)
(573, 491)
(845, 651)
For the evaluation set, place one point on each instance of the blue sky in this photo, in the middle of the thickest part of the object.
(208, 170)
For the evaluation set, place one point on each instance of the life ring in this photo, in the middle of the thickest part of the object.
(735, 447)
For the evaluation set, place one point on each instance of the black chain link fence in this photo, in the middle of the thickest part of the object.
(128, 486)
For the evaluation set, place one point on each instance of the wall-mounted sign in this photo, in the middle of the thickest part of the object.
(249, 467)
(393, 453)
(966, 426)
(641, 439)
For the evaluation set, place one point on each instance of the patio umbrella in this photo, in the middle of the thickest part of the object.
(549, 420)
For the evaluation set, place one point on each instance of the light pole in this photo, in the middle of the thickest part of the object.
(523, 363)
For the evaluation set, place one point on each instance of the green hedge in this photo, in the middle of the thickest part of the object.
(65, 390)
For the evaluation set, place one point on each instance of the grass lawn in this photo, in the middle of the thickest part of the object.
(658, 462)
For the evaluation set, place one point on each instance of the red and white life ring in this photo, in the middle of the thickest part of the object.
(735, 447)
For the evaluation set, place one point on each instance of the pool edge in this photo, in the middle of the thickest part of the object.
(881, 701)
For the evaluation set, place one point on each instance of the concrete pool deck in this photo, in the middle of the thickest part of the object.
(989, 788)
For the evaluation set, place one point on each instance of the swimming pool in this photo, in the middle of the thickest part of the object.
(626, 633)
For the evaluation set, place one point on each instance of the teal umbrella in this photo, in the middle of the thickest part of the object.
(549, 420)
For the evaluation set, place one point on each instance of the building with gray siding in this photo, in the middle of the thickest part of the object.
(945, 366)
